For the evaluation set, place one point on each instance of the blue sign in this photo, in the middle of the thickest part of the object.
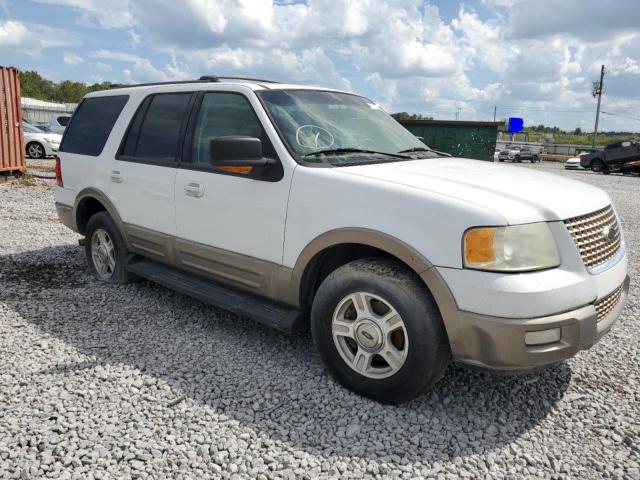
(515, 125)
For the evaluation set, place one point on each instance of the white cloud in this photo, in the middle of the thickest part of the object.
(522, 54)
(31, 38)
(72, 59)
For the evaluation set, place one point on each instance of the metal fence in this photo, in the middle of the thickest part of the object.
(41, 114)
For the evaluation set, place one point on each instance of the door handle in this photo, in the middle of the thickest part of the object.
(193, 189)
(116, 177)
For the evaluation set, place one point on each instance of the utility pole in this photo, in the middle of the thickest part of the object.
(458, 112)
(597, 92)
(495, 109)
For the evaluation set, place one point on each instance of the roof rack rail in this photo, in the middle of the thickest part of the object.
(204, 78)
(152, 84)
(215, 78)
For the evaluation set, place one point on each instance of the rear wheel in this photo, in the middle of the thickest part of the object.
(534, 159)
(378, 331)
(106, 251)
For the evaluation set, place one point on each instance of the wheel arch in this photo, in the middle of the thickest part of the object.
(337, 247)
(90, 201)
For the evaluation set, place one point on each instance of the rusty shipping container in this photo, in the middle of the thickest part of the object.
(12, 156)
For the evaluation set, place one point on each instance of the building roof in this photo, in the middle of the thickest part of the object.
(34, 102)
(468, 123)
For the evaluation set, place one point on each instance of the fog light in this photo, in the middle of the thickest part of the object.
(542, 337)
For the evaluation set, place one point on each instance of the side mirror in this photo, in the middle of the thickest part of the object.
(238, 151)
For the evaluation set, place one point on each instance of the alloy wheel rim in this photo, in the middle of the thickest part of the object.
(103, 254)
(370, 335)
(35, 151)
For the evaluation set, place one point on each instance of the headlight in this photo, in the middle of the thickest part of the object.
(516, 248)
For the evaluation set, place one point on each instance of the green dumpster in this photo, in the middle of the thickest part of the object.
(459, 138)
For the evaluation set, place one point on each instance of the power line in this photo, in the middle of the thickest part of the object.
(538, 109)
(621, 116)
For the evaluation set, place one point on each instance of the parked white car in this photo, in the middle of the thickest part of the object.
(286, 203)
(58, 123)
(39, 144)
(573, 163)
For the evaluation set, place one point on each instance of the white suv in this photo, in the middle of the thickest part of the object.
(286, 203)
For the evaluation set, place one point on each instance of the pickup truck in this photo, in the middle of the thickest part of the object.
(623, 156)
(516, 153)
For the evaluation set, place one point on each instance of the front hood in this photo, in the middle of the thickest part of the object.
(54, 137)
(517, 193)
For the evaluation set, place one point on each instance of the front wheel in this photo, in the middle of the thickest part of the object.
(35, 150)
(534, 159)
(378, 331)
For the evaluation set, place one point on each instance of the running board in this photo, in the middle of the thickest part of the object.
(264, 311)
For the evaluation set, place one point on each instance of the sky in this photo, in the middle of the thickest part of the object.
(531, 59)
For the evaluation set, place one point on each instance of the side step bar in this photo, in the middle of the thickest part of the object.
(264, 311)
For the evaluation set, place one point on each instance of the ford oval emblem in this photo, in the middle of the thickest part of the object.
(609, 233)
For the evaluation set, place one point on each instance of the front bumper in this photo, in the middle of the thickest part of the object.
(499, 343)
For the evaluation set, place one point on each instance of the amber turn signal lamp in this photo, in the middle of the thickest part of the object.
(478, 245)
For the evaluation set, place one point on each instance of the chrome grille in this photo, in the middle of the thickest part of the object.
(605, 305)
(587, 232)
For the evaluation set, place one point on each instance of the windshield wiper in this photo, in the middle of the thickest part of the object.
(330, 151)
(425, 149)
(416, 149)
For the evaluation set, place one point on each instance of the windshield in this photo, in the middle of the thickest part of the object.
(28, 128)
(316, 123)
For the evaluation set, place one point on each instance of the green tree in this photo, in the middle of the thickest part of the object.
(33, 85)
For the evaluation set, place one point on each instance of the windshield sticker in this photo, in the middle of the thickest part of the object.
(312, 136)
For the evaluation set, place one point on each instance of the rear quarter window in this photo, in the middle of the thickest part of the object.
(91, 125)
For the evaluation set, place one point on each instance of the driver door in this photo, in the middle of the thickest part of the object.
(230, 223)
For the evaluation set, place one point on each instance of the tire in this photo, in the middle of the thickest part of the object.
(597, 165)
(35, 150)
(416, 340)
(101, 232)
(534, 159)
(517, 159)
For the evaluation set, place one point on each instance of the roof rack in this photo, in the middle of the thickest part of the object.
(204, 78)
(215, 78)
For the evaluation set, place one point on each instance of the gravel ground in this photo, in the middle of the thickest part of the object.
(101, 381)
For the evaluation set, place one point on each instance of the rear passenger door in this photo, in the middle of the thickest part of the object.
(230, 221)
(142, 175)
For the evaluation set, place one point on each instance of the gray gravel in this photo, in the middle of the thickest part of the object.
(101, 381)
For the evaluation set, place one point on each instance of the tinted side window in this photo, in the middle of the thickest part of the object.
(92, 124)
(64, 121)
(156, 129)
(223, 114)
